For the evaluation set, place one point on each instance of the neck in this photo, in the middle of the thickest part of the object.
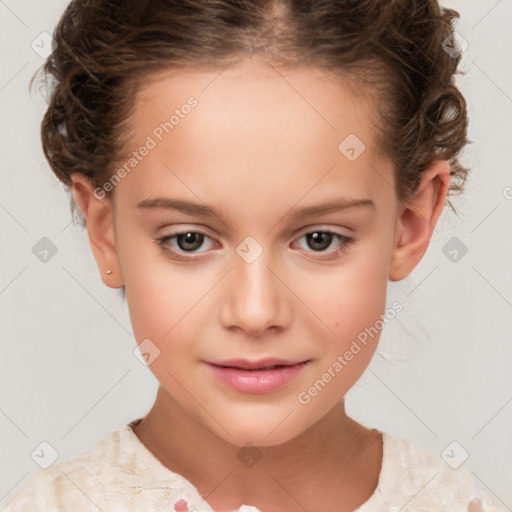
(228, 476)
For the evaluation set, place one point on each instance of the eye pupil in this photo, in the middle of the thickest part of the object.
(320, 237)
(191, 240)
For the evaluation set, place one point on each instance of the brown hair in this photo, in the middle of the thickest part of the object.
(106, 49)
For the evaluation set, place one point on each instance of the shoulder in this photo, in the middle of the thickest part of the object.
(113, 472)
(414, 479)
(117, 473)
(71, 484)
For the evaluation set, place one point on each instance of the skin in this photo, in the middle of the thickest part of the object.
(257, 150)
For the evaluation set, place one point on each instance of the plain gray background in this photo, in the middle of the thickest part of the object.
(443, 369)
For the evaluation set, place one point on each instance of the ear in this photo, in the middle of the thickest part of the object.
(417, 218)
(97, 210)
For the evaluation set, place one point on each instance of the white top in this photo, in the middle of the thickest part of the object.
(120, 474)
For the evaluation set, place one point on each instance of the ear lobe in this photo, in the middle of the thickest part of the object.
(99, 220)
(417, 220)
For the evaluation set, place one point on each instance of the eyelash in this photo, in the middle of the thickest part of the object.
(163, 241)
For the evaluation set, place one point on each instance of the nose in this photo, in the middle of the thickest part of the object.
(256, 299)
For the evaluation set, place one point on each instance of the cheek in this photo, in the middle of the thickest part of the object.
(161, 295)
(350, 301)
(162, 301)
(350, 298)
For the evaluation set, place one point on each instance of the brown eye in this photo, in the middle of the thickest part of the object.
(181, 244)
(319, 240)
(189, 241)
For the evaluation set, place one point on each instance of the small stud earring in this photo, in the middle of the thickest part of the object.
(109, 272)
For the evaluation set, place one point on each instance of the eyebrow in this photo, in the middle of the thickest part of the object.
(190, 208)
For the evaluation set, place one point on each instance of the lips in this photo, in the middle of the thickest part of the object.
(262, 364)
(262, 376)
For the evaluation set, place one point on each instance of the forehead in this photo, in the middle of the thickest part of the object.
(255, 97)
(251, 124)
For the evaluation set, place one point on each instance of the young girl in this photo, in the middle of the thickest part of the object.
(251, 175)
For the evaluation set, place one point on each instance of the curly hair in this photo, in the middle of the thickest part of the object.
(105, 50)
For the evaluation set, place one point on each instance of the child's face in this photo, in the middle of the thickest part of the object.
(257, 147)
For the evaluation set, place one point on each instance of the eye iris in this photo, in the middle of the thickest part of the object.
(321, 237)
(191, 240)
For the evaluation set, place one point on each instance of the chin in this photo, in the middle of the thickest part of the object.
(261, 435)
(258, 428)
